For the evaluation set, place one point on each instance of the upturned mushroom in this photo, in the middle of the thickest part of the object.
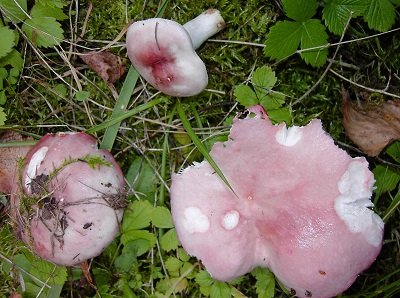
(163, 52)
(301, 208)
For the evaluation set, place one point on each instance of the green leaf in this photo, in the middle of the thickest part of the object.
(161, 218)
(394, 151)
(141, 178)
(380, 15)
(3, 117)
(3, 100)
(81, 95)
(272, 101)
(49, 272)
(245, 95)
(169, 241)
(41, 10)
(52, 3)
(14, 59)
(264, 77)
(283, 40)
(43, 31)
(173, 265)
(123, 263)
(300, 10)
(392, 207)
(314, 35)
(337, 12)
(142, 240)
(386, 180)
(7, 38)
(265, 285)
(280, 115)
(220, 289)
(15, 10)
(137, 216)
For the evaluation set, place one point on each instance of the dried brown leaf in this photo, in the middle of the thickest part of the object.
(107, 65)
(9, 157)
(370, 126)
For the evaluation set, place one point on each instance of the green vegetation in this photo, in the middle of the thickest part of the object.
(45, 87)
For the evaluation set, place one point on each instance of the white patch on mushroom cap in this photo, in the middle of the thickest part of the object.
(34, 165)
(355, 199)
(230, 220)
(288, 136)
(195, 221)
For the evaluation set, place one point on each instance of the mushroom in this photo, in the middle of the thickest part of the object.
(68, 201)
(301, 208)
(163, 52)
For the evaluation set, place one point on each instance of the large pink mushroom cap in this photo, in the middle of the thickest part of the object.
(69, 200)
(301, 208)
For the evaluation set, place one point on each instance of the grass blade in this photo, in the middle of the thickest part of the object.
(200, 146)
(119, 108)
(122, 116)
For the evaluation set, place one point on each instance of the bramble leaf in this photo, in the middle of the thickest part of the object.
(272, 101)
(337, 12)
(220, 289)
(41, 10)
(283, 40)
(245, 95)
(169, 241)
(313, 36)
(14, 10)
(386, 180)
(161, 218)
(263, 80)
(44, 270)
(3, 116)
(265, 285)
(52, 3)
(137, 216)
(280, 115)
(7, 43)
(14, 59)
(300, 10)
(380, 15)
(43, 31)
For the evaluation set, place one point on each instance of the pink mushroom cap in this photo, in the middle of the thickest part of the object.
(69, 200)
(301, 208)
(163, 52)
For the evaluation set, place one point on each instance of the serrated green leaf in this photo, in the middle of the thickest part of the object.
(204, 279)
(41, 10)
(52, 3)
(394, 151)
(314, 35)
(161, 218)
(265, 285)
(337, 12)
(3, 100)
(3, 117)
(220, 289)
(245, 96)
(15, 10)
(169, 241)
(386, 180)
(14, 59)
(283, 40)
(264, 77)
(280, 115)
(380, 15)
(123, 263)
(43, 31)
(141, 177)
(272, 101)
(173, 265)
(300, 10)
(49, 272)
(142, 240)
(7, 38)
(137, 216)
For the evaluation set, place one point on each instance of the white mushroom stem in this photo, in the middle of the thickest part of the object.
(204, 26)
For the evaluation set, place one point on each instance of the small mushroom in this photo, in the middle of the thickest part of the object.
(301, 208)
(163, 52)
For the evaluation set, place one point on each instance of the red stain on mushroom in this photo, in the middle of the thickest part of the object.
(308, 217)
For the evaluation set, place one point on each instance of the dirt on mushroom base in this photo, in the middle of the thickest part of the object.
(69, 199)
(300, 199)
